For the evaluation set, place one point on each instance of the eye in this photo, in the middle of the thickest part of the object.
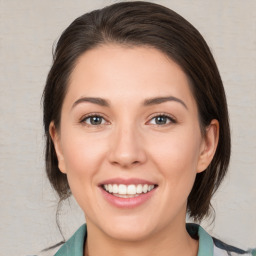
(94, 120)
(162, 120)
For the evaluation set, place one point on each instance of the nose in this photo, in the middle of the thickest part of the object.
(126, 148)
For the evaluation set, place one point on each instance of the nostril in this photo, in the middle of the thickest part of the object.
(125, 164)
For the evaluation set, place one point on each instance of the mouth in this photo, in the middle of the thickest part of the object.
(129, 190)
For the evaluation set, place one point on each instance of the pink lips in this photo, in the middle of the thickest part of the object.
(127, 203)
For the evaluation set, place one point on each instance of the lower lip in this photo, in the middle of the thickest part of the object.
(127, 203)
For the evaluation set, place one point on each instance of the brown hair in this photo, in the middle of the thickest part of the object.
(137, 24)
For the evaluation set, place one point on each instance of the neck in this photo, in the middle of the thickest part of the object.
(175, 241)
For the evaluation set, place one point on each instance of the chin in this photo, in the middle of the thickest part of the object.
(129, 229)
(129, 233)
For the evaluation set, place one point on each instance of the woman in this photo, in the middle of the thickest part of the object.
(137, 129)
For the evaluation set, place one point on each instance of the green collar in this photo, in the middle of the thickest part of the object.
(205, 240)
(75, 245)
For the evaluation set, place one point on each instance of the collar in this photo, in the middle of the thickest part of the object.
(75, 245)
(205, 240)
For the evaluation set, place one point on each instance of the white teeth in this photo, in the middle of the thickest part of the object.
(122, 189)
(127, 191)
(115, 188)
(145, 188)
(131, 190)
(110, 188)
(125, 196)
(150, 187)
(139, 189)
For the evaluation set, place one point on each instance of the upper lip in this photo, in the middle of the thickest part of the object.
(134, 181)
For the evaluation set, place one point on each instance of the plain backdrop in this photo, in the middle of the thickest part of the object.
(28, 29)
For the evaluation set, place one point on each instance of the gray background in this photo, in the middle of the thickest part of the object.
(28, 29)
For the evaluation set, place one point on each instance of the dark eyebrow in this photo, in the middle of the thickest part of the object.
(98, 101)
(159, 100)
(147, 102)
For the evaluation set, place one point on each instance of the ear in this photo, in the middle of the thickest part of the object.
(208, 146)
(55, 136)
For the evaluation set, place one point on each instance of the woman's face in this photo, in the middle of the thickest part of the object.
(130, 142)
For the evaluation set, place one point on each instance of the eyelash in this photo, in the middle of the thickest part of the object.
(83, 120)
(170, 118)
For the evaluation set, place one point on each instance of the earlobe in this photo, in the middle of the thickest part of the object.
(57, 145)
(209, 145)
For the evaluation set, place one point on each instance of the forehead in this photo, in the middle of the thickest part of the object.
(121, 73)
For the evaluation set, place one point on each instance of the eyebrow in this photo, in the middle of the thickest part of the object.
(98, 101)
(159, 100)
(148, 102)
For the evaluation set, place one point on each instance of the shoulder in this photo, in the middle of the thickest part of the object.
(223, 249)
(73, 246)
(51, 251)
(209, 245)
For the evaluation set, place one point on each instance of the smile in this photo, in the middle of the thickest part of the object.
(128, 191)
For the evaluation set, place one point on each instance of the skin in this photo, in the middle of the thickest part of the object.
(130, 144)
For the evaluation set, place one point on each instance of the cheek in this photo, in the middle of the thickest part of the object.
(83, 155)
(178, 150)
(83, 160)
(176, 157)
